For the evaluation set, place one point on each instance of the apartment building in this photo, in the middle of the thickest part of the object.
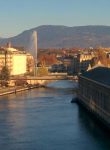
(15, 60)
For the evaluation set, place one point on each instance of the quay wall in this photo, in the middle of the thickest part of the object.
(12, 90)
(95, 97)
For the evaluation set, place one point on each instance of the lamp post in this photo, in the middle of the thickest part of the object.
(35, 67)
(5, 58)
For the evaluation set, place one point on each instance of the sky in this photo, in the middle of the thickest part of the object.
(17, 16)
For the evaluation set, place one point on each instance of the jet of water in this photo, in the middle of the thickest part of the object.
(33, 45)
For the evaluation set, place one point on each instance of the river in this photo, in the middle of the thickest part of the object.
(45, 119)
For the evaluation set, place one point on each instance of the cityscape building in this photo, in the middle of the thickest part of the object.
(16, 61)
(94, 92)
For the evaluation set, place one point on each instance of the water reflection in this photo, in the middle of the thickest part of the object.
(95, 131)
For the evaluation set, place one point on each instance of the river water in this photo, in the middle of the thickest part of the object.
(45, 119)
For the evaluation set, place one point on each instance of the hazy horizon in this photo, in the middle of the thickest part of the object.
(51, 25)
(17, 16)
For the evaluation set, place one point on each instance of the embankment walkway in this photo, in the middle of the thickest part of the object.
(11, 90)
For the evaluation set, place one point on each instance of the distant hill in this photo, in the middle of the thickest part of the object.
(52, 36)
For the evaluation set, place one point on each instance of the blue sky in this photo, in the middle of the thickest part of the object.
(19, 15)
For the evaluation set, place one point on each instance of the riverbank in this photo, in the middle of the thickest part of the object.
(11, 90)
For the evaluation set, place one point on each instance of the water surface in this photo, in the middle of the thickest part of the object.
(44, 119)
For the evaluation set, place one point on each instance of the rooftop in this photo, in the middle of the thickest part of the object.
(99, 74)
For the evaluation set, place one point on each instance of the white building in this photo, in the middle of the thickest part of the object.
(15, 60)
(18, 64)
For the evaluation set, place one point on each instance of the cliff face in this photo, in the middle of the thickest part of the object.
(51, 36)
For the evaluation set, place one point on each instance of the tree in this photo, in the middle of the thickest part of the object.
(42, 71)
(102, 56)
(5, 74)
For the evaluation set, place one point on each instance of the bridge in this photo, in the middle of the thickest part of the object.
(44, 79)
(55, 76)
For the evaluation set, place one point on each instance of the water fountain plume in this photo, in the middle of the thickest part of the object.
(33, 46)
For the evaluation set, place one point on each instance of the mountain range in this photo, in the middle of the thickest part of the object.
(54, 36)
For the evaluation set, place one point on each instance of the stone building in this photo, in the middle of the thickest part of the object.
(81, 62)
(94, 92)
(85, 59)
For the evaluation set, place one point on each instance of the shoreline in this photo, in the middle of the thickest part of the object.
(12, 90)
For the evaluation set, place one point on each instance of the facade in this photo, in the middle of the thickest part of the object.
(15, 60)
(18, 64)
(85, 60)
(81, 62)
(78, 62)
(94, 93)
